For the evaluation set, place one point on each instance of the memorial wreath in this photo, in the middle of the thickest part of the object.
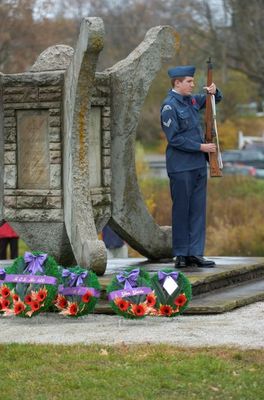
(171, 294)
(78, 293)
(29, 285)
(127, 293)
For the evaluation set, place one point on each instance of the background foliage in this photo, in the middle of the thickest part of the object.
(230, 31)
(222, 29)
(234, 211)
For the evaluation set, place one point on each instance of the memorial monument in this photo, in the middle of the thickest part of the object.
(67, 142)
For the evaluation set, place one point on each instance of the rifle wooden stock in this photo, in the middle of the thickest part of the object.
(215, 170)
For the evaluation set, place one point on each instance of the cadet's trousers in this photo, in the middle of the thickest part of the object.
(188, 193)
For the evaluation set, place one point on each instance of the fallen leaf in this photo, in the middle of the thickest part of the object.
(103, 352)
(214, 388)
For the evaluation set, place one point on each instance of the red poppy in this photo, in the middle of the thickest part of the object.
(151, 300)
(34, 305)
(73, 308)
(138, 309)
(28, 299)
(181, 300)
(61, 301)
(19, 307)
(15, 297)
(5, 303)
(41, 295)
(122, 304)
(5, 291)
(166, 310)
(193, 101)
(87, 297)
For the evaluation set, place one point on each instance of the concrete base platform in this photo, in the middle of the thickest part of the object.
(234, 282)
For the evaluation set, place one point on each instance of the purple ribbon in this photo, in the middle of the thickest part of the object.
(39, 279)
(163, 275)
(130, 278)
(78, 291)
(34, 262)
(75, 279)
(2, 274)
(129, 292)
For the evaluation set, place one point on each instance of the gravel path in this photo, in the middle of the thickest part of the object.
(243, 327)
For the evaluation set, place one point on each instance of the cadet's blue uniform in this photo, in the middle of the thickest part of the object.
(187, 170)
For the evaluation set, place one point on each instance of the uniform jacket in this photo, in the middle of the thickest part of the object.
(180, 120)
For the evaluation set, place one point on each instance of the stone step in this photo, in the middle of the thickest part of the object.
(218, 301)
(229, 271)
(227, 278)
(226, 299)
(234, 282)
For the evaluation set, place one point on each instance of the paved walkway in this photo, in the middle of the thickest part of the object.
(242, 328)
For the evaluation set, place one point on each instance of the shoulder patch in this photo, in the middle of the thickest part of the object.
(167, 123)
(166, 108)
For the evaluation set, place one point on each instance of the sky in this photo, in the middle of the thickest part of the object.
(217, 6)
(51, 11)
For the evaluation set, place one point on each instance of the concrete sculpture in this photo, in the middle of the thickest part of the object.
(67, 143)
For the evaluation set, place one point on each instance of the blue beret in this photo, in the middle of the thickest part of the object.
(181, 71)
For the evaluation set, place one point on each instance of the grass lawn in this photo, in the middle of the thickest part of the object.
(38, 372)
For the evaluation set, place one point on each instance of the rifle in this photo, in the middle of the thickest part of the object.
(215, 160)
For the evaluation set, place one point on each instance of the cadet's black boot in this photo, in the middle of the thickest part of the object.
(200, 262)
(180, 262)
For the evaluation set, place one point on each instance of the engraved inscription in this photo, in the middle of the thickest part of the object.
(33, 149)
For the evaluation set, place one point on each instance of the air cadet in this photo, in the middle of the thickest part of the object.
(186, 162)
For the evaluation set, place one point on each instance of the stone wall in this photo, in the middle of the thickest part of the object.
(32, 116)
(32, 124)
(32, 106)
(100, 163)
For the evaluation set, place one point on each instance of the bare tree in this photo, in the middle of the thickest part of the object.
(15, 37)
(246, 37)
(25, 31)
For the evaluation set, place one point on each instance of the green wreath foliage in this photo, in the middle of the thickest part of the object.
(75, 306)
(163, 298)
(130, 302)
(21, 291)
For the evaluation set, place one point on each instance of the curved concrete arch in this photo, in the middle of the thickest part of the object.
(130, 81)
(79, 84)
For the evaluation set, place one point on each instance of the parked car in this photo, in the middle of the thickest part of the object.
(257, 146)
(245, 157)
(260, 173)
(239, 169)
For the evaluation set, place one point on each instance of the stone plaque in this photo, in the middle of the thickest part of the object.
(33, 149)
(94, 152)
